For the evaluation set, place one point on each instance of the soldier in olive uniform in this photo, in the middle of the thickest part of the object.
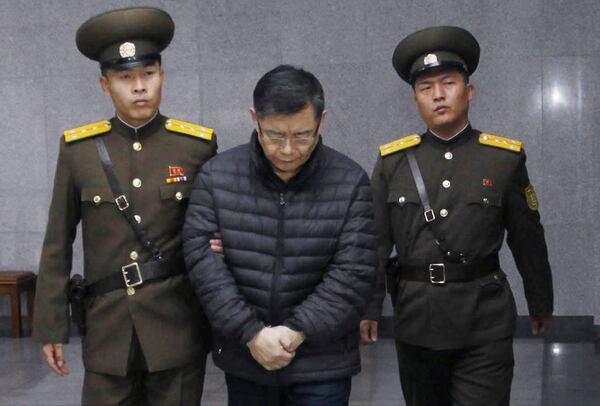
(443, 200)
(145, 330)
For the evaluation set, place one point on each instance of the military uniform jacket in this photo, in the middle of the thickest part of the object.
(164, 313)
(478, 188)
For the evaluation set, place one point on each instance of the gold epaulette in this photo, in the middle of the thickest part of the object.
(87, 131)
(186, 128)
(500, 142)
(400, 144)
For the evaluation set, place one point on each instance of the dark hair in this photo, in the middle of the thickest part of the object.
(288, 90)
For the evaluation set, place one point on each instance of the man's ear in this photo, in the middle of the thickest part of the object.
(322, 122)
(104, 85)
(471, 91)
(254, 118)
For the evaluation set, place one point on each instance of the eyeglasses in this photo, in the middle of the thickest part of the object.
(297, 140)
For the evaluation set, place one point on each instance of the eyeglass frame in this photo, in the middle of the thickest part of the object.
(293, 140)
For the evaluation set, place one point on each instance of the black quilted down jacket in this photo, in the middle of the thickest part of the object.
(301, 254)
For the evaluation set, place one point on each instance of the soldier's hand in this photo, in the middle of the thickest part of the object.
(55, 357)
(290, 339)
(267, 350)
(539, 325)
(216, 244)
(368, 331)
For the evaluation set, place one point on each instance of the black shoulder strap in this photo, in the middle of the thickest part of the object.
(121, 200)
(418, 178)
(428, 212)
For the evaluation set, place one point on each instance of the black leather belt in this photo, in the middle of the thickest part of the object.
(441, 273)
(134, 275)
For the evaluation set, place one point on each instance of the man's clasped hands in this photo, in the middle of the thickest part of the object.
(275, 347)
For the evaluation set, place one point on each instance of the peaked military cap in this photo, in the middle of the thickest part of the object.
(126, 37)
(434, 48)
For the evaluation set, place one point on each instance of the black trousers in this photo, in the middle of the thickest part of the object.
(241, 392)
(177, 386)
(473, 376)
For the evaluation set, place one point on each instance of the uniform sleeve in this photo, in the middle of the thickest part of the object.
(224, 305)
(51, 316)
(525, 237)
(338, 302)
(385, 239)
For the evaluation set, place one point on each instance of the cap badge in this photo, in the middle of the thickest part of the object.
(127, 50)
(430, 59)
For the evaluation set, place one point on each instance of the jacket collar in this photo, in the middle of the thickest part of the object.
(458, 139)
(140, 132)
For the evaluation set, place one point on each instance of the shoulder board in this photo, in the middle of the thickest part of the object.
(400, 144)
(500, 142)
(88, 130)
(183, 127)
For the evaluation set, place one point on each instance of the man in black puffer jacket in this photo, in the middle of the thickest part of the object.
(299, 242)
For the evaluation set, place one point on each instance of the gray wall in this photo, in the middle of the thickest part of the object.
(538, 81)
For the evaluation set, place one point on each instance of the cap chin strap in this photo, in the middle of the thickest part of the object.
(130, 62)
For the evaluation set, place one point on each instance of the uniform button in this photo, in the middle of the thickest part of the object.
(448, 155)
(137, 146)
(133, 255)
(137, 182)
(443, 212)
(446, 184)
(97, 199)
(402, 200)
(138, 218)
(178, 195)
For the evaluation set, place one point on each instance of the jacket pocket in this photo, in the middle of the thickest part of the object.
(495, 303)
(97, 196)
(492, 284)
(485, 199)
(175, 191)
(484, 212)
(404, 206)
(403, 198)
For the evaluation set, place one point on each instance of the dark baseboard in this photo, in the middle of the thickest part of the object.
(5, 328)
(563, 329)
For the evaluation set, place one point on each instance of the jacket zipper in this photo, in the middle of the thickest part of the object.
(273, 312)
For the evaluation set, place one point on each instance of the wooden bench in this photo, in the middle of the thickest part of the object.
(13, 283)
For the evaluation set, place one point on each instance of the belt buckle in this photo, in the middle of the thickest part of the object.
(122, 202)
(125, 271)
(437, 274)
(429, 217)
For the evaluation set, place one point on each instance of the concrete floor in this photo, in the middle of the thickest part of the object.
(545, 374)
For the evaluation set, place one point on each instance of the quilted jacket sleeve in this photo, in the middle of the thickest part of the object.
(337, 304)
(226, 308)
